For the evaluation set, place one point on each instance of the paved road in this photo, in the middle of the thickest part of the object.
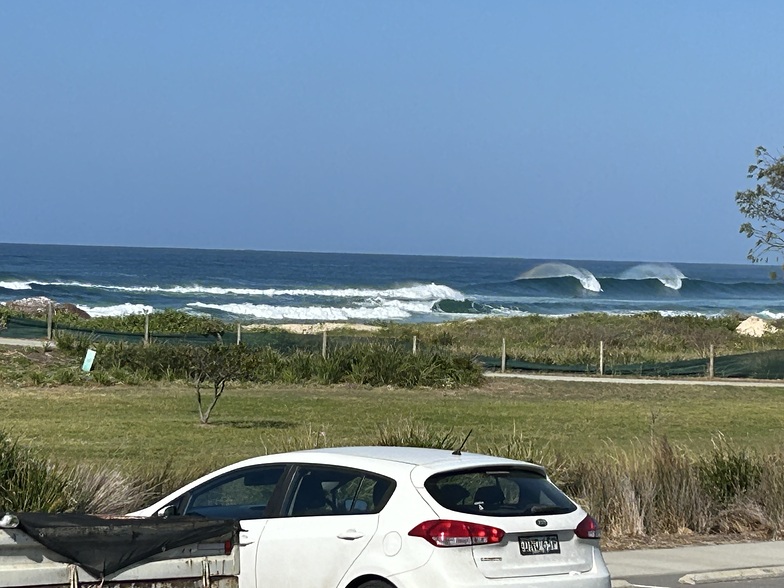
(668, 381)
(754, 564)
(673, 581)
(24, 342)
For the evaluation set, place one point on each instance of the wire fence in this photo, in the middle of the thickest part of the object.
(763, 365)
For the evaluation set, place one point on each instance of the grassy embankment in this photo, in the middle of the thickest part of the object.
(646, 460)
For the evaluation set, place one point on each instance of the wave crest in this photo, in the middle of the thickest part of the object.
(391, 310)
(430, 291)
(563, 270)
(667, 274)
(116, 310)
(14, 285)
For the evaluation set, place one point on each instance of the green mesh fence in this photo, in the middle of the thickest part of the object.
(285, 341)
(518, 364)
(27, 328)
(763, 365)
(760, 365)
(24, 328)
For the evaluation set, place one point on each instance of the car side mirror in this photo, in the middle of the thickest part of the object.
(167, 511)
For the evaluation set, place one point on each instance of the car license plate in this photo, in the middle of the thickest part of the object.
(539, 545)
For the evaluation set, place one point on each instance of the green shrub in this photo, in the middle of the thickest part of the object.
(265, 365)
(36, 377)
(298, 367)
(65, 375)
(407, 433)
(729, 472)
(167, 321)
(27, 482)
(334, 368)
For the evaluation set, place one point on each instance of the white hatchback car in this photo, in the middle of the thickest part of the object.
(397, 517)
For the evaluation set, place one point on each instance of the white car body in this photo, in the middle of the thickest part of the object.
(369, 538)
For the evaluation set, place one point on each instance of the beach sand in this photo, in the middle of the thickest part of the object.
(311, 328)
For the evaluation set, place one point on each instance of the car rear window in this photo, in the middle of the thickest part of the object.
(510, 492)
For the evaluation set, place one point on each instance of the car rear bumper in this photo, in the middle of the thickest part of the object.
(452, 573)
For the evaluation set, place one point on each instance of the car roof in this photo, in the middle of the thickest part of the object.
(414, 456)
(414, 463)
(434, 460)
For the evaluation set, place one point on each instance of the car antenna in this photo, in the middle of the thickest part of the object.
(459, 449)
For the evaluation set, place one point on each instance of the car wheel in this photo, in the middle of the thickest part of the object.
(375, 584)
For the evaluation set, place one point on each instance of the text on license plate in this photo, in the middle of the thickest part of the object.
(539, 545)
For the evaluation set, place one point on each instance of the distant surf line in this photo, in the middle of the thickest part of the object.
(430, 291)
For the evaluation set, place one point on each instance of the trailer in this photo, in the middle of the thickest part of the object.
(71, 550)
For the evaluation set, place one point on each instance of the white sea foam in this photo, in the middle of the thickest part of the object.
(116, 310)
(667, 274)
(678, 313)
(563, 270)
(310, 313)
(430, 291)
(15, 285)
(772, 315)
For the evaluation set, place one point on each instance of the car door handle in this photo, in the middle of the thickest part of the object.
(351, 534)
(246, 539)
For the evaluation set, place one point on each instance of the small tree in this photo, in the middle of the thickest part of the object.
(217, 364)
(763, 205)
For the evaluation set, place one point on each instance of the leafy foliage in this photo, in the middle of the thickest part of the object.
(28, 482)
(166, 321)
(574, 340)
(416, 434)
(763, 205)
(217, 364)
(369, 365)
(658, 488)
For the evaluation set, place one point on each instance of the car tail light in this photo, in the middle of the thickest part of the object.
(588, 529)
(445, 533)
(228, 545)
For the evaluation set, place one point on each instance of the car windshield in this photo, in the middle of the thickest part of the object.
(498, 492)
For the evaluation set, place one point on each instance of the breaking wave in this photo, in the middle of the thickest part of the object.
(116, 310)
(563, 270)
(430, 291)
(667, 274)
(15, 285)
(390, 310)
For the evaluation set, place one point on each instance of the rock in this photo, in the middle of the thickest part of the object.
(755, 327)
(39, 307)
(69, 308)
(33, 306)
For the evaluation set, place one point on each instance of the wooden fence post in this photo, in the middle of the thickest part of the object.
(324, 344)
(146, 328)
(710, 363)
(415, 345)
(503, 355)
(601, 358)
(239, 333)
(49, 320)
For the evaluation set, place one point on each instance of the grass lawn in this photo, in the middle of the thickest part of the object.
(140, 425)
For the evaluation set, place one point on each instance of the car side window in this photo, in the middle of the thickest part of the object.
(318, 490)
(243, 494)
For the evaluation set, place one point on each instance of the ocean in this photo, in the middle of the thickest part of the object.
(278, 286)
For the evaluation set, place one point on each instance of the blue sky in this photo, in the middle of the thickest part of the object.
(560, 130)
